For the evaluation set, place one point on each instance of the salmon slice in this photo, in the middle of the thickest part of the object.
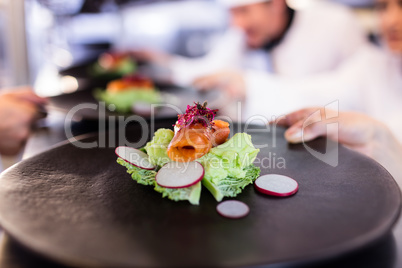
(194, 141)
(129, 84)
(220, 133)
(190, 143)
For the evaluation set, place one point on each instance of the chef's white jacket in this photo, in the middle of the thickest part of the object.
(320, 37)
(369, 82)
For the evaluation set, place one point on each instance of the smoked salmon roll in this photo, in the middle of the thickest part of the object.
(196, 140)
(190, 143)
(196, 132)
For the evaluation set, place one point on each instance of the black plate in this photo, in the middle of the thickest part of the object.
(172, 95)
(174, 101)
(79, 207)
(84, 69)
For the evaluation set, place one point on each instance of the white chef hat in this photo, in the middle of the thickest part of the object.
(236, 3)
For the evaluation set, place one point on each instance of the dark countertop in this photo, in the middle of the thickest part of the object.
(386, 252)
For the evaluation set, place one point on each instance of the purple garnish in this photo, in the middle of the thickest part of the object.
(198, 113)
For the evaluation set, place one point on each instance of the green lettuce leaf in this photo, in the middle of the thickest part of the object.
(231, 186)
(238, 152)
(125, 67)
(142, 176)
(157, 147)
(228, 167)
(147, 177)
(192, 194)
(124, 100)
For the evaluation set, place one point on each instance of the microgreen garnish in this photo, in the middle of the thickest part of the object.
(198, 113)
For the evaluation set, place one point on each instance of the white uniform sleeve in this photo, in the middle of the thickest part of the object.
(270, 95)
(347, 34)
(320, 39)
(225, 54)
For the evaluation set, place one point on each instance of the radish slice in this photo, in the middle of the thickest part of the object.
(134, 157)
(277, 185)
(233, 209)
(180, 174)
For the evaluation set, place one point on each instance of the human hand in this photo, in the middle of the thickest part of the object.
(355, 130)
(18, 110)
(152, 56)
(231, 82)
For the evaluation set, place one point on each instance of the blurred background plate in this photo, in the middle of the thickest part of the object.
(79, 207)
(174, 101)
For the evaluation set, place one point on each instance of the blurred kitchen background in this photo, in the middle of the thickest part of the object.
(38, 38)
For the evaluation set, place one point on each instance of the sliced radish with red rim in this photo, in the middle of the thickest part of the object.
(180, 174)
(135, 157)
(233, 209)
(276, 185)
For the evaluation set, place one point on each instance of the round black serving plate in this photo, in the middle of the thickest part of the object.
(79, 207)
(82, 104)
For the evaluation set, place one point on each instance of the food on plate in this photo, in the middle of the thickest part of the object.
(134, 157)
(129, 83)
(114, 64)
(224, 166)
(157, 147)
(229, 167)
(147, 177)
(128, 92)
(179, 174)
(276, 185)
(232, 209)
(196, 132)
(220, 132)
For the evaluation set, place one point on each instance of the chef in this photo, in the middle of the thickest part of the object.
(269, 36)
(18, 111)
(370, 81)
(357, 131)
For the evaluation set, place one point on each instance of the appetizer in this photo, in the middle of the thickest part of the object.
(196, 132)
(198, 152)
(114, 65)
(125, 93)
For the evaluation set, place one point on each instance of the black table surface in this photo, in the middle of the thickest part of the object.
(384, 252)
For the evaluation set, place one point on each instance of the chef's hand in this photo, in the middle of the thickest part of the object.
(355, 130)
(231, 82)
(18, 111)
(152, 56)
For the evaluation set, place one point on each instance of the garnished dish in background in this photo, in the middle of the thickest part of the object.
(127, 93)
(113, 65)
(197, 152)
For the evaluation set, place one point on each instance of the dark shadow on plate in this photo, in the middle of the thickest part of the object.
(380, 253)
(15, 255)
